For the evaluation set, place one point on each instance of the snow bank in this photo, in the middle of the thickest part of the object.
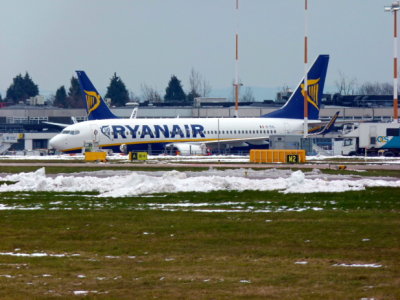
(36, 254)
(133, 183)
(358, 265)
(192, 158)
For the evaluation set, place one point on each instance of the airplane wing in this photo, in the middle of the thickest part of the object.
(57, 124)
(262, 140)
(62, 125)
(203, 147)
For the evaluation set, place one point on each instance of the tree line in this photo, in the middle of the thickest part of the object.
(350, 86)
(23, 87)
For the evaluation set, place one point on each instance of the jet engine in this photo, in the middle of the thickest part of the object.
(186, 149)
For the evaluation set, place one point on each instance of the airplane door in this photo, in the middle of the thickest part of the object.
(94, 133)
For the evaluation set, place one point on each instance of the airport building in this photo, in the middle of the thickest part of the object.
(26, 127)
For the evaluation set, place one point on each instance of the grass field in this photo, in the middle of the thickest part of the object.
(219, 245)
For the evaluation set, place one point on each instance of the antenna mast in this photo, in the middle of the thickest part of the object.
(305, 91)
(236, 84)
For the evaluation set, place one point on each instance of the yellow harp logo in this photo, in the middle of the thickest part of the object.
(313, 89)
(92, 100)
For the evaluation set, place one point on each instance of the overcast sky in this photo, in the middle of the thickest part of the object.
(146, 41)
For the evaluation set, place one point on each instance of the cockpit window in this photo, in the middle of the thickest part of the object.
(72, 132)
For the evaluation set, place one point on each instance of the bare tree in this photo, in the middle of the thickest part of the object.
(198, 85)
(247, 95)
(194, 81)
(133, 97)
(150, 94)
(205, 89)
(345, 85)
(386, 88)
(376, 88)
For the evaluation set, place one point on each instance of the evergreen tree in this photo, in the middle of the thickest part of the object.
(30, 87)
(22, 88)
(60, 99)
(117, 91)
(174, 91)
(74, 99)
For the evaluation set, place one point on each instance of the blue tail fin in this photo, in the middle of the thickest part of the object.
(96, 108)
(294, 107)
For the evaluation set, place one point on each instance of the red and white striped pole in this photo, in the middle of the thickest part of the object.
(395, 72)
(394, 8)
(305, 89)
(236, 84)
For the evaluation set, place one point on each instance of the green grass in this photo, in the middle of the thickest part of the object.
(129, 251)
(372, 198)
(366, 173)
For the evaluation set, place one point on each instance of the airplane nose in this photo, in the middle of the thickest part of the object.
(52, 142)
(55, 142)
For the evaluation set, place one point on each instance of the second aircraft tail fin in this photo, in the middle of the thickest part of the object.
(294, 107)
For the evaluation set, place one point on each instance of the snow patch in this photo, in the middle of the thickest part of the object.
(135, 183)
(36, 254)
(301, 263)
(358, 265)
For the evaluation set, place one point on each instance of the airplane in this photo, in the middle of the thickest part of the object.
(197, 135)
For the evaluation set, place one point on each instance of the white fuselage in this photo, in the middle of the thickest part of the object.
(112, 133)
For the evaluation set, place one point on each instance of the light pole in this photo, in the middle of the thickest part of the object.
(305, 86)
(394, 8)
(236, 84)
